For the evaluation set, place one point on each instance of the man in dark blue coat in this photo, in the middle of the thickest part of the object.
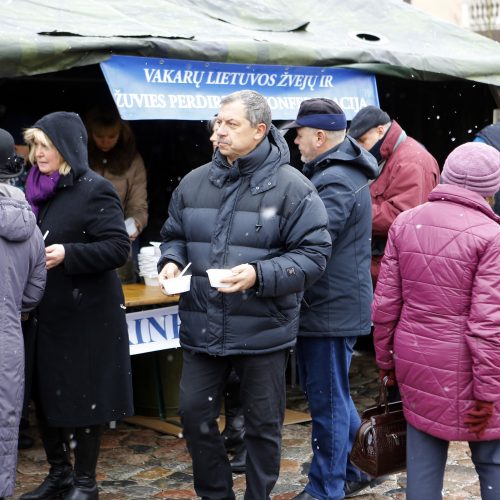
(336, 310)
(250, 212)
(491, 135)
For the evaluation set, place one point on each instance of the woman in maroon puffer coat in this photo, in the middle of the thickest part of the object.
(437, 322)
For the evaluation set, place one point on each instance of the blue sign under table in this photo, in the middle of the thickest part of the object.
(153, 328)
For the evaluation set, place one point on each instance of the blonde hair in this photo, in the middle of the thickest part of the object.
(35, 134)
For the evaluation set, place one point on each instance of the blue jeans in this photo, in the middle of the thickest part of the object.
(426, 461)
(324, 376)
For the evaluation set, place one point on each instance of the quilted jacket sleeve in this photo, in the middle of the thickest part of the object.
(483, 326)
(387, 304)
(308, 246)
(173, 247)
(33, 291)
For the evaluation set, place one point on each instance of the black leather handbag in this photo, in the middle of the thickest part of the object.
(379, 447)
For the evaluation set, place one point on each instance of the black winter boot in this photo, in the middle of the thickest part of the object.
(239, 462)
(234, 429)
(88, 442)
(83, 492)
(58, 482)
(24, 442)
(60, 478)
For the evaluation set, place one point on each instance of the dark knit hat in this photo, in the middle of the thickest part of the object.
(367, 118)
(474, 166)
(320, 113)
(11, 164)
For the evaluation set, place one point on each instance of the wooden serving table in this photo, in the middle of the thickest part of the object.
(138, 295)
(141, 296)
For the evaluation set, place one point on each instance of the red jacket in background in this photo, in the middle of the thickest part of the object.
(409, 174)
(436, 312)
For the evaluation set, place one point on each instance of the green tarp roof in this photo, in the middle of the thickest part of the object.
(50, 35)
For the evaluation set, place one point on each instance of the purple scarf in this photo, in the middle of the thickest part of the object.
(40, 187)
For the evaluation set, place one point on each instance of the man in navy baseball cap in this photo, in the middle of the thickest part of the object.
(319, 113)
(338, 304)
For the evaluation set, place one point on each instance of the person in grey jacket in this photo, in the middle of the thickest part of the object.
(250, 212)
(22, 267)
(337, 309)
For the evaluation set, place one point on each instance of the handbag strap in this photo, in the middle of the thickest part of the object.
(383, 394)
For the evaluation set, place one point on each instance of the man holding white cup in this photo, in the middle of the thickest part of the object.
(250, 212)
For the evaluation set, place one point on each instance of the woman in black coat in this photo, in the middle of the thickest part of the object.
(82, 377)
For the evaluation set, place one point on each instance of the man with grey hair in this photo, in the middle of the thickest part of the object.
(337, 309)
(249, 212)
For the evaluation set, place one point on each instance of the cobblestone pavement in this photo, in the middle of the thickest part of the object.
(138, 463)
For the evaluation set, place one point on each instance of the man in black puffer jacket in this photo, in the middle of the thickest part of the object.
(250, 212)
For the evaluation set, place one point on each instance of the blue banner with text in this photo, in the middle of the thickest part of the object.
(145, 88)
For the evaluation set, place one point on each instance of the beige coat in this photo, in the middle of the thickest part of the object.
(132, 190)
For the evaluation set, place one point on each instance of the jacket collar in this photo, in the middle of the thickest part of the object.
(320, 162)
(462, 196)
(66, 180)
(392, 140)
(261, 165)
(348, 153)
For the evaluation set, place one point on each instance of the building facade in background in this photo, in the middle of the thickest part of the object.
(481, 16)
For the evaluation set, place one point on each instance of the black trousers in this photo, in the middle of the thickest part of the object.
(262, 392)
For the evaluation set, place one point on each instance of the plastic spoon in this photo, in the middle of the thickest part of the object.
(184, 270)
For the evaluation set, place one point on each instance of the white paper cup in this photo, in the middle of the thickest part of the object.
(174, 286)
(215, 275)
(130, 226)
(150, 251)
(148, 268)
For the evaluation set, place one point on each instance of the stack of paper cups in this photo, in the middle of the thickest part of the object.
(148, 259)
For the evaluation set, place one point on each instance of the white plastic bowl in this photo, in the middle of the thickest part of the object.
(215, 275)
(173, 286)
